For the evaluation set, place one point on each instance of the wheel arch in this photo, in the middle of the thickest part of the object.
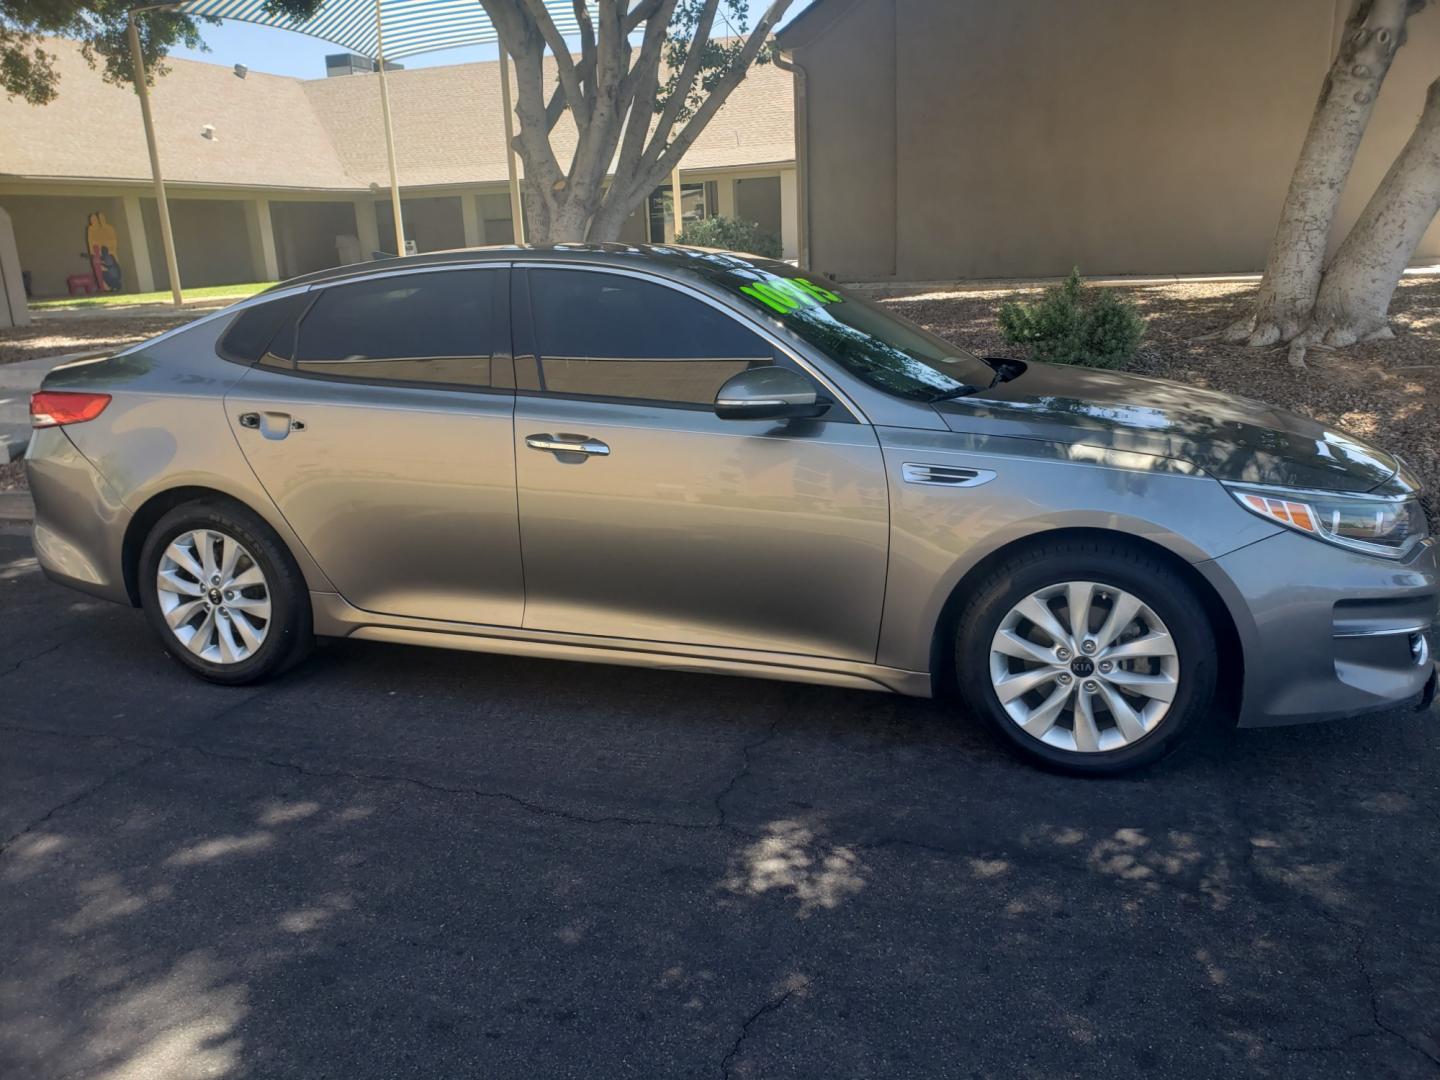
(1227, 636)
(160, 503)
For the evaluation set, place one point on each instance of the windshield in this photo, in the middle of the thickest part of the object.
(886, 351)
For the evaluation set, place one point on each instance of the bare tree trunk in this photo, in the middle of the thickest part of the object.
(1373, 32)
(1355, 293)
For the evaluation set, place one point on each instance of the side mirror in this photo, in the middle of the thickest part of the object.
(768, 393)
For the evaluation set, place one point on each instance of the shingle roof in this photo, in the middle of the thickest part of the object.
(277, 132)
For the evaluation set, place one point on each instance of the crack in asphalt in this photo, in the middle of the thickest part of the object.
(18, 664)
(744, 770)
(1021, 854)
(391, 778)
(78, 797)
(1357, 945)
(769, 1007)
(1266, 892)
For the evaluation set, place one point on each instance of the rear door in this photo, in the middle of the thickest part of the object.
(644, 515)
(380, 422)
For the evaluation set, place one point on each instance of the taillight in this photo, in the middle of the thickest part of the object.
(55, 408)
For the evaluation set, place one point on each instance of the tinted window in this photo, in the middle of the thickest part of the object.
(605, 335)
(253, 330)
(874, 344)
(430, 327)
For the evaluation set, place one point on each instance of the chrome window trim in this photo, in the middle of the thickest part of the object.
(757, 328)
(227, 312)
(404, 271)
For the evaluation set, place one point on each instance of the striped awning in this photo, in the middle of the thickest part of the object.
(411, 26)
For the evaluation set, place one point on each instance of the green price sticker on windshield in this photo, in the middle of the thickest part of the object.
(790, 294)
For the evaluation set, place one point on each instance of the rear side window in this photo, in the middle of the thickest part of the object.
(254, 329)
(430, 327)
(608, 335)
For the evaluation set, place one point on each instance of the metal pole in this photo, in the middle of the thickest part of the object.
(389, 134)
(675, 198)
(517, 208)
(167, 238)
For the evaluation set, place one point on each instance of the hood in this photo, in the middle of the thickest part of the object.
(1231, 438)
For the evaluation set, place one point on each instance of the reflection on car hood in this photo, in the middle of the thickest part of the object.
(1231, 438)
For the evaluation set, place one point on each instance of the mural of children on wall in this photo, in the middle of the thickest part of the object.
(101, 248)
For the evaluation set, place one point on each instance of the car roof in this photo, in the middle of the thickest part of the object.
(668, 259)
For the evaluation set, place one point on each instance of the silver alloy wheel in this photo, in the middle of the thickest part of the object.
(1085, 667)
(214, 596)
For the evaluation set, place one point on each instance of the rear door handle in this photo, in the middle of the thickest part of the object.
(567, 444)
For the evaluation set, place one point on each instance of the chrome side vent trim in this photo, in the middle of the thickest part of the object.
(944, 475)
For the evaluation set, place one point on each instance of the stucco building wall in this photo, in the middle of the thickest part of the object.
(966, 138)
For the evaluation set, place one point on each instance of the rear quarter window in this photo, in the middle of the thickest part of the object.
(253, 331)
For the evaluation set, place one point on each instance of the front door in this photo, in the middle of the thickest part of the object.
(382, 429)
(645, 516)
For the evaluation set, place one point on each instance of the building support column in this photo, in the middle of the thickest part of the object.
(367, 228)
(261, 230)
(725, 197)
(790, 214)
(470, 220)
(677, 212)
(139, 243)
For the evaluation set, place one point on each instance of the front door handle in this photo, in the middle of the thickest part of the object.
(567, 444)
(273, 425)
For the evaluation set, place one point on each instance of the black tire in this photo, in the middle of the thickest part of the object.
(289, 635)
(1116, 564)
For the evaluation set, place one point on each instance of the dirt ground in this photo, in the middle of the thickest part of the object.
(1383, 392)
(54, 334)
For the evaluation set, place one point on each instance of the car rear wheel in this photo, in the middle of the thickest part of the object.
(1090, 658)
(223, 594)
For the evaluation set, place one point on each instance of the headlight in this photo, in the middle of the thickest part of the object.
(1378, 525)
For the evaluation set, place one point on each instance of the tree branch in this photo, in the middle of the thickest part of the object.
(660, 159)
(569, 78)
(683, 82)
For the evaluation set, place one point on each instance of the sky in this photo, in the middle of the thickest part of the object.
(283, 52)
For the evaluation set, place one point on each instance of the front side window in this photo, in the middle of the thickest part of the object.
(435, 327)
(608, 335)
(888, 352)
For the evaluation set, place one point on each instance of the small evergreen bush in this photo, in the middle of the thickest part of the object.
(732, 235)
(1075, 324)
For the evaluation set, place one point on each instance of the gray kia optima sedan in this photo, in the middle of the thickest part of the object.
(705, 461)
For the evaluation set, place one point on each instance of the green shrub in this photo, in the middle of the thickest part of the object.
(1075, 324)
(732, 235)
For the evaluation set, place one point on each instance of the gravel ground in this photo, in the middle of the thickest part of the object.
(1383, 392)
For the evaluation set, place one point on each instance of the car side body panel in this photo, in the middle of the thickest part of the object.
(939, 534)
(693, 529)
(164, 429)
(405, 496)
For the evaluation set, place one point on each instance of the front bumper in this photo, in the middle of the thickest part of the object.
(1327, 633)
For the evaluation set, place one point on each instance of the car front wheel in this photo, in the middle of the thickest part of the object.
(1090, 658)
(223, 594)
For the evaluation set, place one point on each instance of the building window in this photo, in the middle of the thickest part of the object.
(697, 202)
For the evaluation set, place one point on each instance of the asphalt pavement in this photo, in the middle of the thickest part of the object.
(401, 862)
